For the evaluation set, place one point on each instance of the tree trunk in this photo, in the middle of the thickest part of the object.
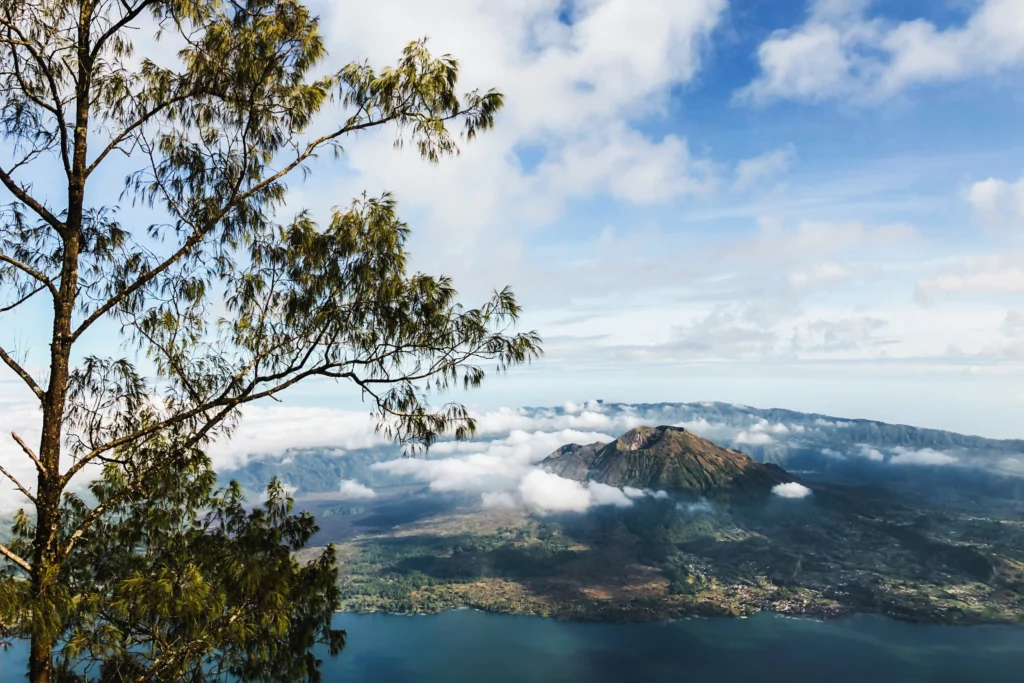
(40, 663)
(40, 659)
(46, 555)
(47, 559)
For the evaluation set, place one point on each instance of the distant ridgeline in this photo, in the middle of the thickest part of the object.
(808, 444)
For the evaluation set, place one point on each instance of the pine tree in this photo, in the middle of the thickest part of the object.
(212, 143)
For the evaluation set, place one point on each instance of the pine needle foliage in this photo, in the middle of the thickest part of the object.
(182, 581)
(225, 297)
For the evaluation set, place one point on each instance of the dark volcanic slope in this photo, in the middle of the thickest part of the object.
(666, 458)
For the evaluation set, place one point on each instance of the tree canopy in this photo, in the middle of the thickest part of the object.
(223, 296)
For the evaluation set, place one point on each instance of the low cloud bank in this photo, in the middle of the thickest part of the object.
(543, 492)
(753, 438)
(510, 441)
(925, 456)
(866, 451)
(547, 492)
(269, 430)
(504, 473)
(898, 455)
(481, 466)
(791, 490)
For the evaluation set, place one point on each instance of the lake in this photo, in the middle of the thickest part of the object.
(468, 646)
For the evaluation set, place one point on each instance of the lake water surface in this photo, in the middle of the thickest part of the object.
(472, 646)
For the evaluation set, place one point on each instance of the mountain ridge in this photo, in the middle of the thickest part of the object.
(666, 458)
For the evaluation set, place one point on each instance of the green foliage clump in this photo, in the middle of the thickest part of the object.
(183, 581)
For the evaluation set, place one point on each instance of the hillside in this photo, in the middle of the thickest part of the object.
(669, 459)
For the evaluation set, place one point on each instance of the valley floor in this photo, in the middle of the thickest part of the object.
(652, 562)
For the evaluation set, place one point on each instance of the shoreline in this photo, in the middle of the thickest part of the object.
(639, 616)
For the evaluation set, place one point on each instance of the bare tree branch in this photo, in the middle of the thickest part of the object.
(6, 552)
(14, 480)
(21, 372)
(29, 453)
(23, 299)
(30, 271)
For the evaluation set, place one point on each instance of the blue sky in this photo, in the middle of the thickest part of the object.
(802, 204)
(811, 204)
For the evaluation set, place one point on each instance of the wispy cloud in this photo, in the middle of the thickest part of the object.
(760, 169)
(924, 456)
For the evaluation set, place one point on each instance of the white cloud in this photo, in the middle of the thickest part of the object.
(987, 274)
(1013, 324)
(822, 274)
(791, 490)
(757, 434)
(769, 428)
(575, 93)
(502, 471)
(603, 494)
(546, 492)
(715, 431)
(624, 164)
(841, 52)
(751, 172)
(498, 500)
(869, 452)
(350, 489)
(836, 335)
(724, 333)
(497, 465)
(272, 429)
(588, 419)
(22, 418)
(1011, 345)
(614, 55)
(807, 63)
(753, 438)
(924, 456)
(776, 243)
(998, 202)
